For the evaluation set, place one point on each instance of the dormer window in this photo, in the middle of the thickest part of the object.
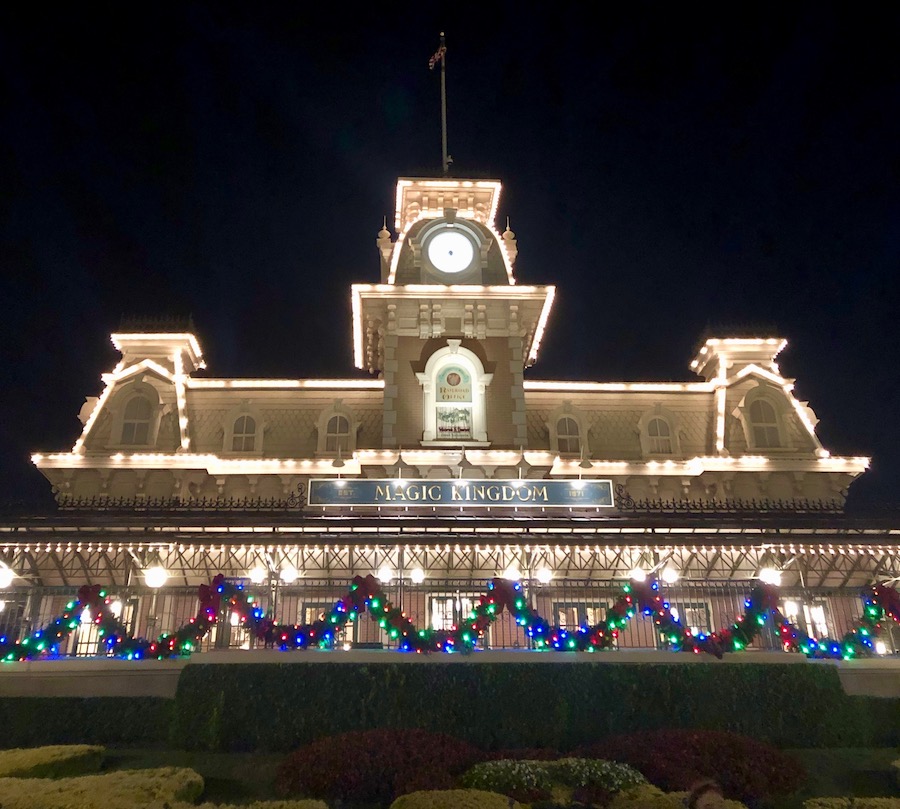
(136, 421)
(337, 430)
(660, 436)
(568, 436)
(659, 432)
(244, 429)
(568, 430)
(243, 437)
(337, 434)
(764, 424)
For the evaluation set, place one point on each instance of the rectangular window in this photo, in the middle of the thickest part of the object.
(694, 615)
(135, 432)
(573, 614)
(448, 611)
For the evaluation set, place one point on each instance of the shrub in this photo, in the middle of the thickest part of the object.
(302, 803)
(492, 704)
(36, 721)
(647, 796)
(525, 781)
(746, 769)
(524, 754)
(852, 803)
(591, 772)
(588, 780)
(453, 799)
(116, 790)
(374, 766)
(57, 761)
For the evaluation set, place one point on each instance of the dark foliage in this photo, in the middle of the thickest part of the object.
(36, 721)
(524, 754)
(674, 760)
(538, 705)
(375, 766)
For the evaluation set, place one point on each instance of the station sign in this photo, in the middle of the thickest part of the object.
(461, 492)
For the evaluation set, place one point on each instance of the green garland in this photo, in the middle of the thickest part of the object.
(365, 593)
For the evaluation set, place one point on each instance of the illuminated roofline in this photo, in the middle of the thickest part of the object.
(541, 325)
(599, 387)
(535, 531)
(434, 213)
(131, 370)
(418, 291)
(702, 356)
(425, 457)
(302, 384)
(118, 339)
(406, 182)
(452, 290)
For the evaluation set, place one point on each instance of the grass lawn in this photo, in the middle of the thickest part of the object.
(244, 777)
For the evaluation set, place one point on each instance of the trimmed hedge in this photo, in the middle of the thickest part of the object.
(453, 799)
(115, 790)
(650, 797)
(58, 761)
(280, 706)
(37, 721)
(302, 803)
(852, 803)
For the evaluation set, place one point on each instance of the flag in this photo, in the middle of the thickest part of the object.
(438, 57)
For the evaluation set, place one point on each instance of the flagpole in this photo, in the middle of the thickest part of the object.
(446, 159)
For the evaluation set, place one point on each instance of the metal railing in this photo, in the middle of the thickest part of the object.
(438, 603)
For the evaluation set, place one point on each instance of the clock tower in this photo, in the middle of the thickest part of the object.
(448, 328)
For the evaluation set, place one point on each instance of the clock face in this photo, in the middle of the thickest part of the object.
(450, 252)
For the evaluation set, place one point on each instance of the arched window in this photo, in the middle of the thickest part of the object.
(243, 435)
(453, 383)
(568, 436)
(337, 434)
(764, 424)
(659, 430)
(660, 436)
(136, 421)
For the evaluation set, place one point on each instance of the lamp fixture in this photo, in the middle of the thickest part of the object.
(156, 576)
(769, 575)
(6, 577)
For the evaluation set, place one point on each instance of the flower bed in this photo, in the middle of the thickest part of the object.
(375, 766)
(746, 769)
(128, 789)
(582, 780)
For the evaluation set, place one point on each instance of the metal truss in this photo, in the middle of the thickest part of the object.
(119, 563)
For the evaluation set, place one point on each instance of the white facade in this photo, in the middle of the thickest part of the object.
(447, 336)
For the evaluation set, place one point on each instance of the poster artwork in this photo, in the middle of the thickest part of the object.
(454, 423)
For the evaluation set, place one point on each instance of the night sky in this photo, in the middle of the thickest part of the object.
(671, 170)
